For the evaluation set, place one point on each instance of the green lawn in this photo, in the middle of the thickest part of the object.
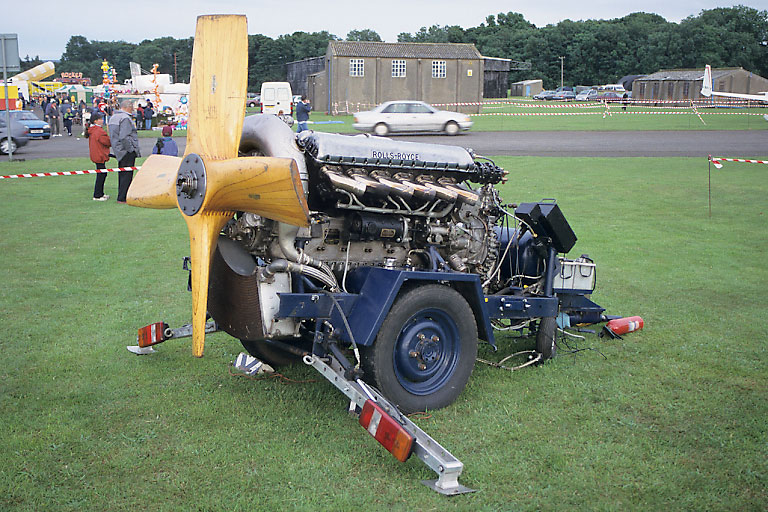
(672, 418)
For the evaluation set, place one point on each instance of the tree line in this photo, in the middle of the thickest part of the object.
(593, 51)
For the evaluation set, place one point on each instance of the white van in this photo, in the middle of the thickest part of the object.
(617, 88)
(276, 96)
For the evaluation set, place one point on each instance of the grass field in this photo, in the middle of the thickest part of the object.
(669, 418)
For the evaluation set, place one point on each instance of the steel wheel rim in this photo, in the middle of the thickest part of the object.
(434, 336)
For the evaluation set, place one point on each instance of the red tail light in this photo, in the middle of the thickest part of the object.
(388, 432)
(152, 334)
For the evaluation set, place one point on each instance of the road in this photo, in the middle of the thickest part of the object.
(750, 143)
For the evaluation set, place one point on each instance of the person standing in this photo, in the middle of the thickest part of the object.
(165, 145)
(139, 117)
(68, 115)
(302, 114)
(148, 113)
(98, 145)
(52, 113)
(125, 145)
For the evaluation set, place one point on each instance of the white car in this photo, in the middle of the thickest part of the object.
(588, 95)
(410, 116)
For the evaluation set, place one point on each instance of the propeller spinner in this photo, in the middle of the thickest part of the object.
(210, 183)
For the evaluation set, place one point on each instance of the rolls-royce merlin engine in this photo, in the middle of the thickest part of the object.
(378, 202)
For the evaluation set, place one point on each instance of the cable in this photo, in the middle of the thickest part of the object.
(346, 325)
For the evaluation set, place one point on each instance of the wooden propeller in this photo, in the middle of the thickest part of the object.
(210, 183)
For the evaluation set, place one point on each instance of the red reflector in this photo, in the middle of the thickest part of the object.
(152, 334)
(389, 433)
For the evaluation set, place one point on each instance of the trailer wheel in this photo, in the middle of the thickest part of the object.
(545, 337)
(425, 350)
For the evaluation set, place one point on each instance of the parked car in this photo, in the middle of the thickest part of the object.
(544, 95)
(253, 100)
(410, 116)
(564, 95)
(609, 96)
(588, 95)
(19, 135)
(564, 88)
(38, 129)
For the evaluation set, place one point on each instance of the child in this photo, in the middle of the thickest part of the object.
(166, 145)
(98, 144)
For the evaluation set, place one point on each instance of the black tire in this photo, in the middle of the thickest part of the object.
(381, 129)
(437, 323)
(7, 145)
(545, 337)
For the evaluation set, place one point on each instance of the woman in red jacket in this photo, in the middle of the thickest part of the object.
(99, 144)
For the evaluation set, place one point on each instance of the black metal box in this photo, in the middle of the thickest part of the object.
(546, 219)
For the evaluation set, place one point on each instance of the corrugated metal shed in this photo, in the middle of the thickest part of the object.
(404, 50)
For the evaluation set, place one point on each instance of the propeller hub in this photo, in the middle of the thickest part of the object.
(191, 184)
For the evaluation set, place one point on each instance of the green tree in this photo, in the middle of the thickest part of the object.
(363, 35)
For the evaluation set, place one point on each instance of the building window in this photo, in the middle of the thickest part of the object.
(398, 69)
(686, 89)
(356, 67)
(655, 91)
(721, 86)
(438, 69)
(642, 90)
(671, 90)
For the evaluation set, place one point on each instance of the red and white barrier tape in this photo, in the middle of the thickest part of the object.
(717, 161)
(629, 101)
(610, 112)
(68, 173)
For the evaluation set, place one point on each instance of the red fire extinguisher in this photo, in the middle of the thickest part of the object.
(615, 328)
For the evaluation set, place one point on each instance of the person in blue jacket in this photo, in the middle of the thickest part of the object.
(166, 145)
(302, 114)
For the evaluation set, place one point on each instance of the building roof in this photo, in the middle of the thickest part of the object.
(404, 50)
(687, 74)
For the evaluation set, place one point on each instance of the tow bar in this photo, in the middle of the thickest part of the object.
(382, 419)
(380, 415)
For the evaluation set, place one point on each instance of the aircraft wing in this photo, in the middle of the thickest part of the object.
(706, 89)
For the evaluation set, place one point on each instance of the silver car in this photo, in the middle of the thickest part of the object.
(588, 95)
(410, 116)
(19, 135)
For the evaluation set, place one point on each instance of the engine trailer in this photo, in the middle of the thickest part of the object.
(409, 259)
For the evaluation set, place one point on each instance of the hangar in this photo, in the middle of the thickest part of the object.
(685, 84)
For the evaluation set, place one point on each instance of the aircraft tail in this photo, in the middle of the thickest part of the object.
(706, 84)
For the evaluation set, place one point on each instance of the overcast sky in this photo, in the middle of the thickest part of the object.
(45, 26)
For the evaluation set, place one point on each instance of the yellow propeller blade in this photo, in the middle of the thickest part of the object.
(203, 232)
(154, 186)
(270, 187)
(218, 84)
(210, 183)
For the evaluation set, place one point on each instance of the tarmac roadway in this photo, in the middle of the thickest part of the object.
(660, 144)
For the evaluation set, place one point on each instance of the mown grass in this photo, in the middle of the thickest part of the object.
(673, 417)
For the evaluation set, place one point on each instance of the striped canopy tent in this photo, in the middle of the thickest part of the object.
(76, 91)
